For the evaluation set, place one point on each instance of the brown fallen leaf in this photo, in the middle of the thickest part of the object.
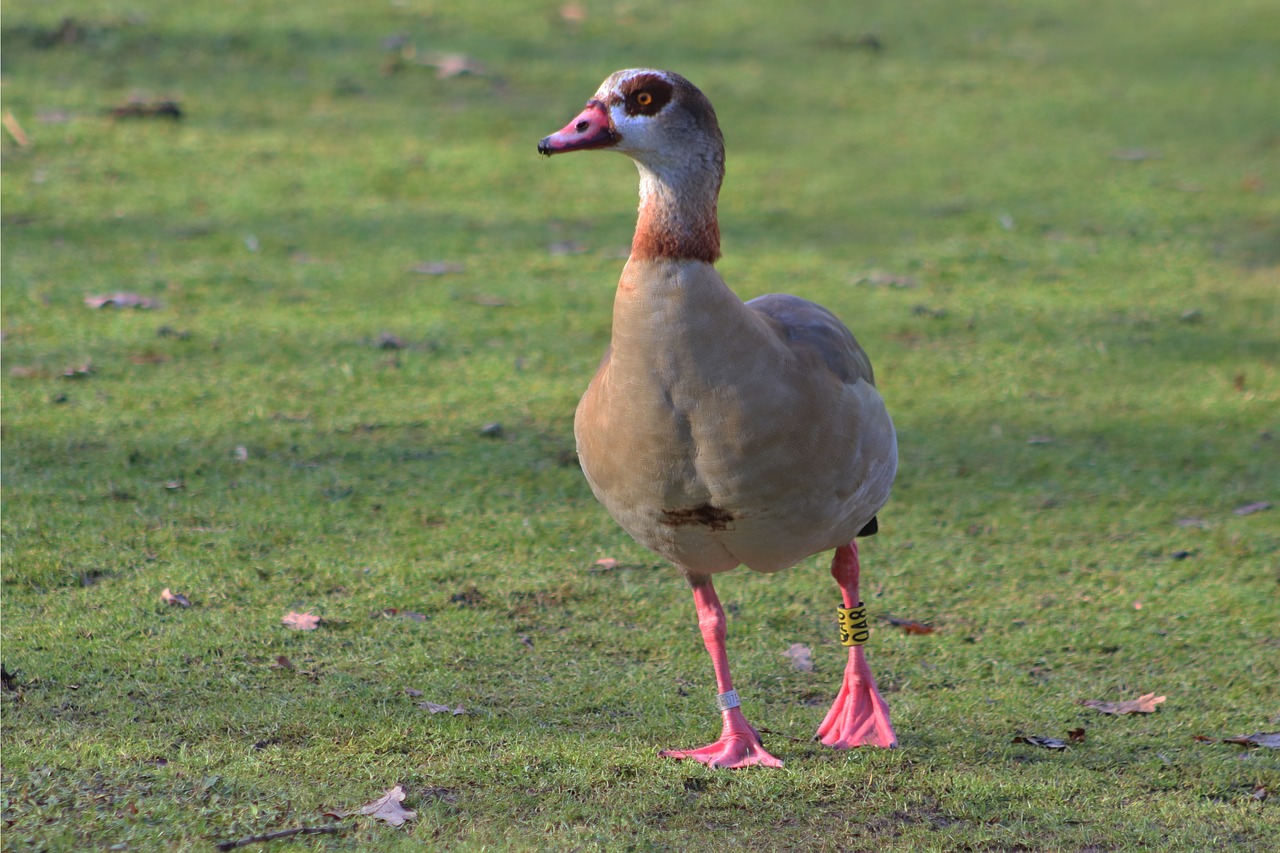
(442, 709)
(1144, 704)
(605, 564)
(1250, 509)
(1271, 740)
(412, 691)
(387, 340)
(396, 613)
(1043, 742)
(121, 299)
(283, 662)
(1076, 735)
(79, 371)
(909, 626)
(301, 621)
(148, 109)
(385, 808)
(801, 657)
(176, 598)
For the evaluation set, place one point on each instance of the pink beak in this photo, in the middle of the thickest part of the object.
(591, 128)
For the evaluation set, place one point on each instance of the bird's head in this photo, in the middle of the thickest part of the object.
(654, 117)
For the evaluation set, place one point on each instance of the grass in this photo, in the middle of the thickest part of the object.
(1083, 200)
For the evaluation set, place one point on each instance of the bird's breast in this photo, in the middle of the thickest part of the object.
(702, 439)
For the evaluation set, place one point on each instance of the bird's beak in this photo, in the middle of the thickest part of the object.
(591, 128)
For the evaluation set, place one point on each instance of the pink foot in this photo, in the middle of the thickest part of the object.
(859, 717)
(739, 746)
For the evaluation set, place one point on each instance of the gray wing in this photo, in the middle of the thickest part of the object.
(812, 331)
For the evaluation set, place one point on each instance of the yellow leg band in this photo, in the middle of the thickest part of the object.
(853, 625)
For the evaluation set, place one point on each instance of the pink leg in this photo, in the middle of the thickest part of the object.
(859, 716)
(739, 744)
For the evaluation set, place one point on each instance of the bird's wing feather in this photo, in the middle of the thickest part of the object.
(810, 330)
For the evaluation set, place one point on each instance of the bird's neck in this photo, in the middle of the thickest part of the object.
(677, 218)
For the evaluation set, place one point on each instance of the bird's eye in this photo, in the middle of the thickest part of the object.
(644, 99)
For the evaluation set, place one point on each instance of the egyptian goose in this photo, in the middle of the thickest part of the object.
(720, 433)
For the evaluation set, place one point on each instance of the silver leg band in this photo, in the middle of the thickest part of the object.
(725, 701)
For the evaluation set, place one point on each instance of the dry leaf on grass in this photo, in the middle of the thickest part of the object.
(385, 808)
(1271, 740)
(801, 657)
(148, 109)
(1144, 704)
(1076, 735)
(175, 598)
(301, 621)
(121, 299)
(909, 626)
(1250, 509)
(1043, 742)
(442, 709)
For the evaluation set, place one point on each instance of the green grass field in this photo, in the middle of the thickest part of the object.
(1054, 226)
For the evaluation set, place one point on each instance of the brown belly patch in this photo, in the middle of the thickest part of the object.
(708, 516)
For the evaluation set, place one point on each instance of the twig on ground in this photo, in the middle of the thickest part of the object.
(283, 833)
(765, 731)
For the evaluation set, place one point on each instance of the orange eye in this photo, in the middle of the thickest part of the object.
(644, 99)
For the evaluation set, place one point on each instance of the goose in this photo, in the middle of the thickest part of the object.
(720, 433)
